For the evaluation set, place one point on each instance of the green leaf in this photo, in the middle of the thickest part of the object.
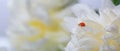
(116, 2)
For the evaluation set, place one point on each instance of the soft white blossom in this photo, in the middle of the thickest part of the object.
(35, 24)
(101, 31)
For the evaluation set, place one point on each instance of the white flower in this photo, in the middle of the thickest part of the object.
(80, 36)
(100, 31)
(35, 26)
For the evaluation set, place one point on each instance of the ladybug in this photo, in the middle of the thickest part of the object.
(82, 24)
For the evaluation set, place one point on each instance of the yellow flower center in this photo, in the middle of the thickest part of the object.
(40, 26)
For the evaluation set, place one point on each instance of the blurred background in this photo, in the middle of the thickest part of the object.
(5, 15)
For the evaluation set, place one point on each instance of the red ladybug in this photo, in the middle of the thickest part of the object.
(82, 24)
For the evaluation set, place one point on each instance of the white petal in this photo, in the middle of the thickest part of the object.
(107, 4)
(95, 4)
(112, 28)
(40, 14)
(88, 42)
(107, 48)
(83, 11)
(116, 10)
(70, 47)
(107, 16)
(93, 27)
(117, 7)
(117, 23)
(69, 23)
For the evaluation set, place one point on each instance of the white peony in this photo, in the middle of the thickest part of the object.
(91, 31)
(35, 24)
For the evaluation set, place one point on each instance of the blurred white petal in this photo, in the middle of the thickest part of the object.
(107, 16)
(94, 4)
(83, 11)
(107, 4)
(70, 23)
